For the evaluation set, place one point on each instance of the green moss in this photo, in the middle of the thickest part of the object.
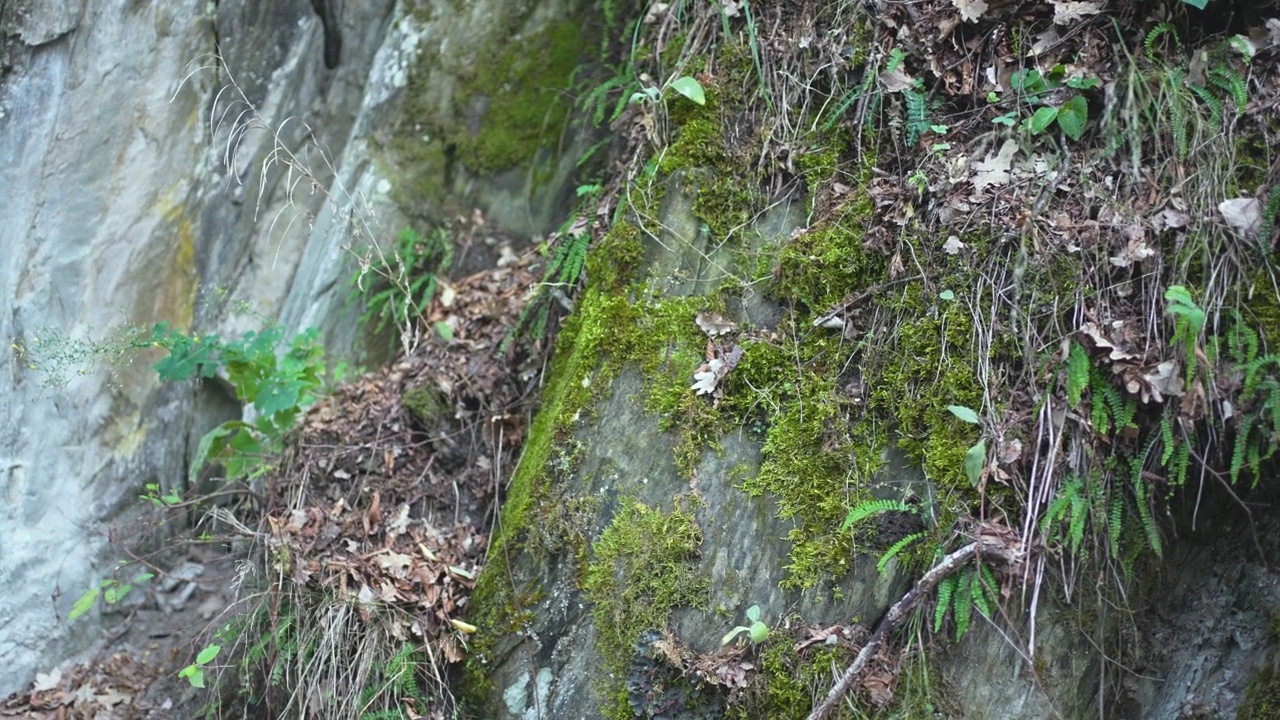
(522, 87)
(829, 261)
(1262, 698)
(807, 464)
(789, 683)
(643, 567)
(928, 364)
(425, 404)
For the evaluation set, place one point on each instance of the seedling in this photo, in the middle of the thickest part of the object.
(757, 631)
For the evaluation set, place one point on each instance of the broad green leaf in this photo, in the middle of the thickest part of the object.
(194, 675)
(759, 632)
(753, 613)
(207, 655)
(1043, 118)
(947, 295)
(84, 603)
(974, 460)
(964, 413)
(444, 331)
(1197, 4)
(690, 88)
(1073, 116)
(211, 445)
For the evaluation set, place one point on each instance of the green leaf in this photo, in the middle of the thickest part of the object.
(1043, 118)
(444, 331)
(753, 613)
(946, 589)
(207, 655)
(974, 460)
(84, 603)
(964, 413)
(947, 295)
(733, 634)
(206, 448)
(1077, 373)
(194, 675)
(759, 632)
(1072, 117)
(1197, 4)
(690, 88)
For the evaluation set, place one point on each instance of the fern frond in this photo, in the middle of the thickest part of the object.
(1230, 82)
(946, 591)
(897, 548)
(1077, 373)
(917, 114)
(1270, 213)
(872, 507)
(963, 603)
(1164, 28)
(1210, 100)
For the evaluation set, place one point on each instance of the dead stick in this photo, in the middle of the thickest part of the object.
(987, 548)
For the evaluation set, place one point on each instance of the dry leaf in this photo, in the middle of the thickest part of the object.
(994, 170)
(895, 81)
(1069, 12)
(714, 324)
(970, 10)
(707, 376)
(1243, 215)
(47, 681)
(953, 246)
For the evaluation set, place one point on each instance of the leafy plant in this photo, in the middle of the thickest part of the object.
(1036, 89)
(757, 630)
(1188, 321)
(110, 590)
(408, 279)
(975, 586)
(278, 387)
(194, 673)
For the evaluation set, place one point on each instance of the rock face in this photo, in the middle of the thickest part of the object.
(144, 181)
(1191, 635)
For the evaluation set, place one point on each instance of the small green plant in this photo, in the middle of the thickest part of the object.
(194, 673)
(110, 590)
(757, 630)
(160, 499)
(874, 507)
(975, 458)
(1188, 321)
(975, 586)
(685, 85)
(278, 387)
(1036, 89)
(408, 280)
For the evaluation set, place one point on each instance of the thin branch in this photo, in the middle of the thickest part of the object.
(987, 547)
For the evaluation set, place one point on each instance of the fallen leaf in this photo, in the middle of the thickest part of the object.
(714, 324)
(994, 169)
(1243, 215)
(970, 10)
(707, 376)
(1069, 12)
(953, 246)
(895, 81)
(47, 681)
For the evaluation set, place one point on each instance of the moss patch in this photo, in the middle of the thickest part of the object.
(643, 567)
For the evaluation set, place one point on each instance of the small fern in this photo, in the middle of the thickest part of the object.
(1157, 32)
(962, 606)
(946, 589)
(917, 114)
(1270, 214)
(898, 547)
(873, 507)
(1230, 82)
(1077, 373)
